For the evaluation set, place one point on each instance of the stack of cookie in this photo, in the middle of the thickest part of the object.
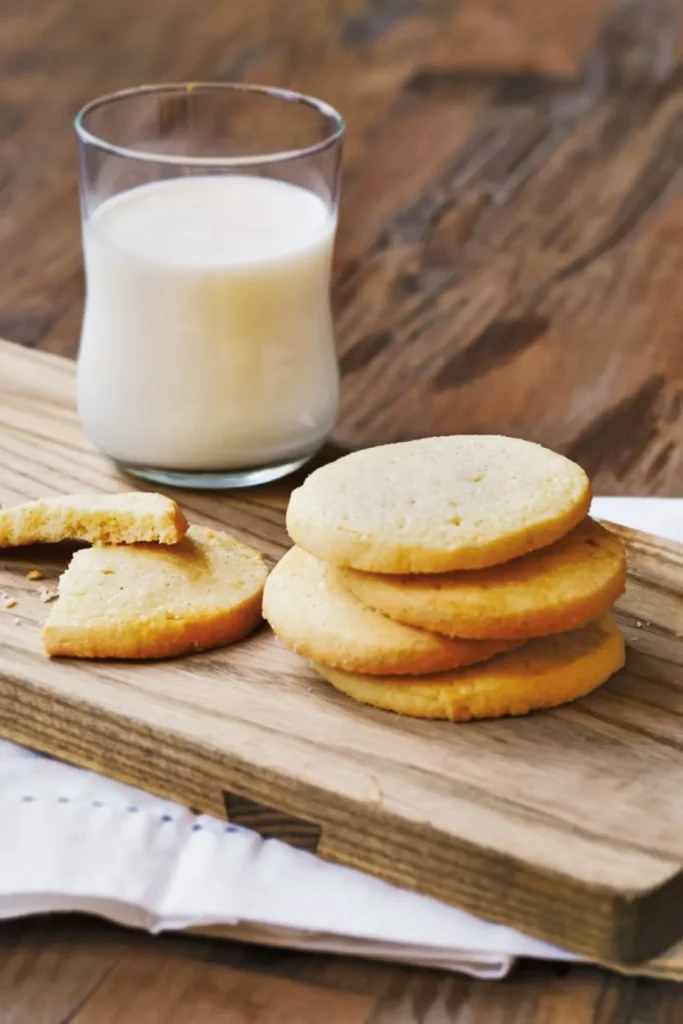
(452, 577)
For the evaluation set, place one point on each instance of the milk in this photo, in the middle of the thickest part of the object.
(207, 338)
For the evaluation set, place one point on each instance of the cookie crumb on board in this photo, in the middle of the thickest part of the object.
(47, 595)
(376, 798)
(9, 602)
(34, 574)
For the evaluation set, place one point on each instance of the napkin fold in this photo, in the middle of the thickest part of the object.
(75, 841)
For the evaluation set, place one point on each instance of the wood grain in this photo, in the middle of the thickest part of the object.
(511, 234)
(153, 988)
(44, 982)
(530, 821)
(39, 959)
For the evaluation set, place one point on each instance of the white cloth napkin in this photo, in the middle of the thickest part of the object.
(74, 841)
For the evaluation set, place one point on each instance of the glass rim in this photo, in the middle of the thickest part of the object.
(262, 159)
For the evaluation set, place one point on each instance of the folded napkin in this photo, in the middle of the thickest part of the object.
(74, 841)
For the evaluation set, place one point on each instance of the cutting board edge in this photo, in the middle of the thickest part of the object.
(631, 929)
(659, 907)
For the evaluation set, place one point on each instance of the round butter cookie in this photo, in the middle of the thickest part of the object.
(543, 673)
(149, 601)
(438, 504)
(554, 589)
(314, 615)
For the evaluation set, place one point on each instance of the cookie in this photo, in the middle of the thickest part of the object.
(147, 601)
(98, 518)
(561, 587)
(314, 615)
(438, 504)
(543, 673)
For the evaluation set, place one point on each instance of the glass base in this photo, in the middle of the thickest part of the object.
(217, 481)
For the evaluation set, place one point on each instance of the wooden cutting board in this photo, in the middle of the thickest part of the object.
(566, 824)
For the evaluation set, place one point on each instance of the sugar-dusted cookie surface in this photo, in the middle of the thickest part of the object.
(127, 518)
(149, 601)
(438, 504)
(554, 589)
(543, 673)
(316, 616)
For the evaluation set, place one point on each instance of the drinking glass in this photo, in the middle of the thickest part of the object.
(209, 212)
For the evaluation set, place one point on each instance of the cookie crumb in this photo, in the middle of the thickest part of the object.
(9, 602)
(34, 574)
(47, 595)
(17, 622)
(376, 798)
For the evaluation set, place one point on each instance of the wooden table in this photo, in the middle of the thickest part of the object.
(510, 259)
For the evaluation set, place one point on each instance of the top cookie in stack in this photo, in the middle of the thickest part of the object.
(427, 556)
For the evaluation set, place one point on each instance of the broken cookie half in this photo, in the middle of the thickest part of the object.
(147, 601)
(128, 518)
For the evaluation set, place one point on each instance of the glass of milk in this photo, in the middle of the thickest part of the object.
(209, 212)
